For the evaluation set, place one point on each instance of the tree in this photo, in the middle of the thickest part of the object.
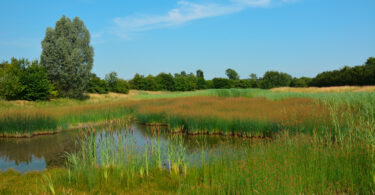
(200, 73)
(221, 83)
(36, 84)
(115, 84)
(68, 57)
(232, 74)
(181, 83)
(201, 82)
(121, 86)
(273, 79)
(150, 83)
(298, 82)
(111, 79)
(253, 82)
(138, 82)
(97, 85)
(357, 75)
(243, 83)
(253, 76)
(165, 81)
(23, 80)
(10, 84)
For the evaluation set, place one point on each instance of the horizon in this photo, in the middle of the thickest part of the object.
(299, 37)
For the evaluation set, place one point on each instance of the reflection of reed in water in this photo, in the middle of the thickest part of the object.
(52, 148)
(191, 142)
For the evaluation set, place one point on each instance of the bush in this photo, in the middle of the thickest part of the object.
(165, 82)
(10, 85)
(221, 83)
(241, 83)
(150, 83)
(138, 82)
(121, 86)
(97, 85)
(273, 79)
(357, 75)
(36, 84)
(298, 82)
(22, 80)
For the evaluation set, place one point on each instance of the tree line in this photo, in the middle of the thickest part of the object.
(64, 70)
(358, 75)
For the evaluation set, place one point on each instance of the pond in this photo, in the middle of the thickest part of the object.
(47, 151)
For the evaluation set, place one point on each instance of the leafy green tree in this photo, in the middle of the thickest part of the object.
(36, 84)
(232, 74)
(253, 81)
(138, 82)
(222, 83)
(181, 83)
(165, 81)
(121, 86)
(298, 82)
(68, 56)
(200, 73)
(273, 79)
(97, 85)
(150, 83)
(357, 75)
(115, 84)
(243, 83)
(210, 84)
(201, 82)
(10, 84)
(111, 79)
(192, 82)
(21, 79)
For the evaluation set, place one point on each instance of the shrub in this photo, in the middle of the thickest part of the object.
(221, 83)
(10, 85)
(96, 85)
(273, 79)
(165, 81)
(121, 86)
(21, 79)
(36, 84)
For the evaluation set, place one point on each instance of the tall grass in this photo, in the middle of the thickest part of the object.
(233, 116)
(290, 164)
(26, 122)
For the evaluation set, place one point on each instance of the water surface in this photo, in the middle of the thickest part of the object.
(46, 151)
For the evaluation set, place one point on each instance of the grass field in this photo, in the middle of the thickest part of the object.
(319, 141)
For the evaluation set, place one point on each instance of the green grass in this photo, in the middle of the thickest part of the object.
(23, 123)
(310, 158)
(288, 164)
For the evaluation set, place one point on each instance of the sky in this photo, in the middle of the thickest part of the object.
(300, 37)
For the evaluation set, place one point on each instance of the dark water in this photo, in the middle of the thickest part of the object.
(41, 152)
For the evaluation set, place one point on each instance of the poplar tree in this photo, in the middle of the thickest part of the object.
(68, 56)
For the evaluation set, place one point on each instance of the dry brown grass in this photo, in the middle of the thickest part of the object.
(326, 89)
(288, 111)
(118, 96)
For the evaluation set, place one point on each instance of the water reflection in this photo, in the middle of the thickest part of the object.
(38, 153)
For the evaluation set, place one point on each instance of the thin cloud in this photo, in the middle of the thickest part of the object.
(185, 12)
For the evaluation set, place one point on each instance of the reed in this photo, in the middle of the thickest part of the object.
(28, 122)
(251, 117)
(290, 164)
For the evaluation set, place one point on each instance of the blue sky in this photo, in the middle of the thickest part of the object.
(301, 37)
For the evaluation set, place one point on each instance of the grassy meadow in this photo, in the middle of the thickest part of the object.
(311, 141)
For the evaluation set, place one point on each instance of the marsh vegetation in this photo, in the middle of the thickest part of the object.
(269, 142)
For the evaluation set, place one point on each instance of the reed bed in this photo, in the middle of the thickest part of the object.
(251, 117)
(33, 121)
(323, 143)
(110, 162)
